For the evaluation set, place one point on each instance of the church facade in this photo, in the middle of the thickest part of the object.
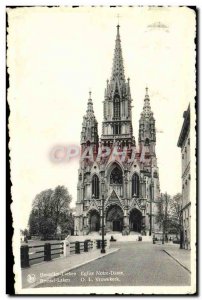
(116, 172)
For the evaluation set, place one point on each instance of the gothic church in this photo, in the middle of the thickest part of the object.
(115, 169)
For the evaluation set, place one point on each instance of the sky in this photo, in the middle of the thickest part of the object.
(56, 55)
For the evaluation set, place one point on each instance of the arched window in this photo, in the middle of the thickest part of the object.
(95, 186)
(116, 107)
(116, 176)
(117, 129)
(135, 185)
(146, 142)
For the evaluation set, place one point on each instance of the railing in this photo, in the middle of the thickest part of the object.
(78, 247)
(48, 251)
(99, 243)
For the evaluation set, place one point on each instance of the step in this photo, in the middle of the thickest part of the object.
(135, 233)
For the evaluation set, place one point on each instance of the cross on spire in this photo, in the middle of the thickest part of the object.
(90, 93)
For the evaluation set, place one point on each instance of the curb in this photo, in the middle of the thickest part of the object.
(34, 285)
(181, 264)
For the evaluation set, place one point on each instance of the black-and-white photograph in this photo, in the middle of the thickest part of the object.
(102, 149)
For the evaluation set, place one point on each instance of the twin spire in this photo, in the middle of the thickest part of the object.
(118, 73)
(147, 107)
(90, 110)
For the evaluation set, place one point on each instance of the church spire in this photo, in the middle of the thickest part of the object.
(90, 110)
(147, 108)
(118, 68)
(147, 131)
(89, 131)
(117, 123)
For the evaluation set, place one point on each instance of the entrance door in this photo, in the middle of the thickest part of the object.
(114, 218)
(117, 225)
(135, 220)
(94, 221)
(136, 226)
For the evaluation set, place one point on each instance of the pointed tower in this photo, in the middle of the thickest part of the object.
(117, 123)
(89, 133)
(147, 131)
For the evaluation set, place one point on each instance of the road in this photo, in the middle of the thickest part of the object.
(137, 264)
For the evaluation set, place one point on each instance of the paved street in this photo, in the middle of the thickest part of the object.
(139, 264)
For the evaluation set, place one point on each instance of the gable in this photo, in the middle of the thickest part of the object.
(113, 198)
(93, 205)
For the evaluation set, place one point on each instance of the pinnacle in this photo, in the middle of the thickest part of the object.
(118, 68)
(147, 108)
(90, 105)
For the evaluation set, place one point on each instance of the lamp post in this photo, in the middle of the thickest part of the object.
(166, 219)
(131, 224)
(163, 221)
(103, 229)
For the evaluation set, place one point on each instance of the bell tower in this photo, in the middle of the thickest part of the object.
(117, 123)
(89, 133)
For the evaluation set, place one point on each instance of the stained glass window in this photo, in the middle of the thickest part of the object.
(135, 185)
(117, 129)
(116, 176)
(95, 186)
(116, 107)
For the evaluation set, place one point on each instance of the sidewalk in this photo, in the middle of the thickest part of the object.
(182, 256)
(31, 276)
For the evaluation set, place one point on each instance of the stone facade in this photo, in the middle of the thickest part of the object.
(184, 144)
(115, 169)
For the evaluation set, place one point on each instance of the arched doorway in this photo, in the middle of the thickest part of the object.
(94, 221)
(135, 220)
(114, 218)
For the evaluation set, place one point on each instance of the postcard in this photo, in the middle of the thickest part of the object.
(102, 149)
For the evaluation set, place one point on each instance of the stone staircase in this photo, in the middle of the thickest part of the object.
(95, 234)
(132, 237)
